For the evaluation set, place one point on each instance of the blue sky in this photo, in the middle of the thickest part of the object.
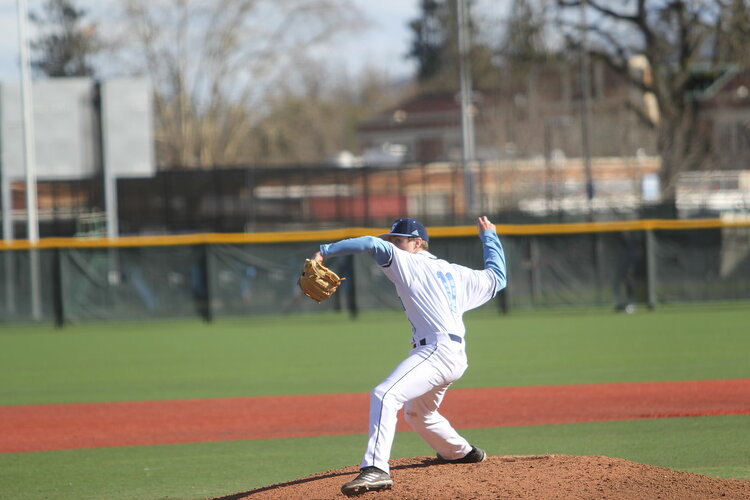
(383, 45)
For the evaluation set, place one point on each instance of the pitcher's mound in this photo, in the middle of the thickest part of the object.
(520, 476)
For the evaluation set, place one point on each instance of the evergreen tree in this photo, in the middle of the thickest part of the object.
(435, 47)
(733, 34)
(524, 46)
(65, 43)
(430, 39)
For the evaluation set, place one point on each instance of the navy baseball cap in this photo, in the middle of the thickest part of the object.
(411, 228)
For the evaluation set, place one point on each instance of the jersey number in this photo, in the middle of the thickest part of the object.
(450, 289)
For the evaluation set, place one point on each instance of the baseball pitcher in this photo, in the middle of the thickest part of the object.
(435, 294)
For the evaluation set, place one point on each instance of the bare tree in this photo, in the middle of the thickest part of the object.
(213, 64)
(316, 113)
(675, 37)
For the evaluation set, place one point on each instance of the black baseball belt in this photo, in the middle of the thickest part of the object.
(454, 338)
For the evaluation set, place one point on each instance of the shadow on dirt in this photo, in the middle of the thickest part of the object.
(236, 496)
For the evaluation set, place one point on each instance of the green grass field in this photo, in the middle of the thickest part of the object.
(331, 354)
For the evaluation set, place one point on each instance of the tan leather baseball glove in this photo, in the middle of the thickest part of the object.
(317, 281)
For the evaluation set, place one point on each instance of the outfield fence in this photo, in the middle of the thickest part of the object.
(642, 263)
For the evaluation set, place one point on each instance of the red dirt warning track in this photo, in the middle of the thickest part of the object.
(29, 428)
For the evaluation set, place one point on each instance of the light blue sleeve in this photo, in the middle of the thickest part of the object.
(494, 257)
(381, 251)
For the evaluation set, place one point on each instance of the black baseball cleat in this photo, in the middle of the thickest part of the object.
(475, 456)
(369, 479)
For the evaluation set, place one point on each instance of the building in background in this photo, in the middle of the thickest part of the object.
(515, 122)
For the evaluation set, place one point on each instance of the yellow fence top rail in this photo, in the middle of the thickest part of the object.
(329, 235)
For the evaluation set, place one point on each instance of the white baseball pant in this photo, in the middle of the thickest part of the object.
(418, 384)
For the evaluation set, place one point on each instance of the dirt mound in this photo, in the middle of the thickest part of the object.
(523, 476)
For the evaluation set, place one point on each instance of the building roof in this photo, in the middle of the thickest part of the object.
(434, 109)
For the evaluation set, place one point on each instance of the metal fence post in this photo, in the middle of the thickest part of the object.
(502, 299)
(535, 275)
(57, 288)
(651, 268)
(204, 302)
(351, 287)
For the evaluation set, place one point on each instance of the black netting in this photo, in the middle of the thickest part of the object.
(708, 264)
(19, 300)
(611, 269)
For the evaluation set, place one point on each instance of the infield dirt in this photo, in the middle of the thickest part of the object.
(538, 477)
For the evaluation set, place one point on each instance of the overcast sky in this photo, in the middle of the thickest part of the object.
(383, 45)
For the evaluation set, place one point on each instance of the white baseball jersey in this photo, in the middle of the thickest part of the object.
(435, 293)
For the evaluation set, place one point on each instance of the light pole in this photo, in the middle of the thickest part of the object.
(32, 219)
(585, 108)
(467, 116)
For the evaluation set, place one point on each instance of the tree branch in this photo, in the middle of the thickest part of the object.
(601, 9)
